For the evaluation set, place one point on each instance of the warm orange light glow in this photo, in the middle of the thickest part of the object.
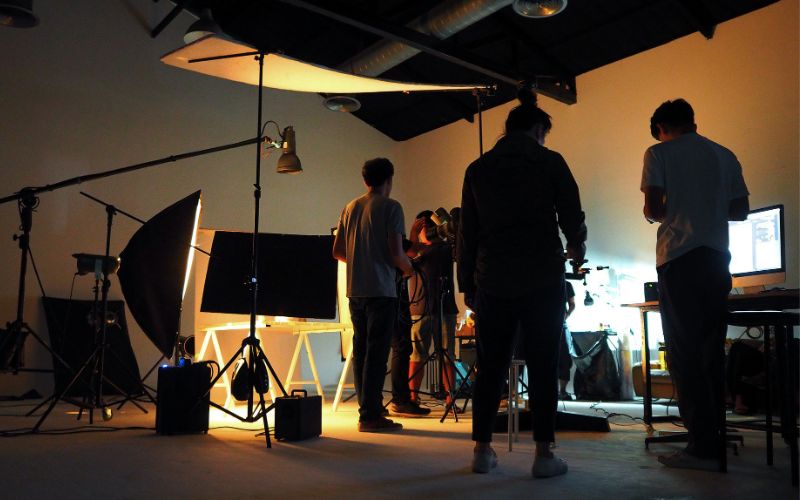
(189, 261)
(282, 72)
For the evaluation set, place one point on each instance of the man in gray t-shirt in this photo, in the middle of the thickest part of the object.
(693, 186)
(369, 238)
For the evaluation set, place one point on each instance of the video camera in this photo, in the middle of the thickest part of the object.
(446, 227)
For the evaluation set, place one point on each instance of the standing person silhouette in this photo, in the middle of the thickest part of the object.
(369, 238)
(511, 270)
(693, 186)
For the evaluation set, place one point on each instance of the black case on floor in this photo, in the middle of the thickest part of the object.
(180, 408)
(298, 417)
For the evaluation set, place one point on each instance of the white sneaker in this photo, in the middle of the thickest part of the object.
(548, 467)
(484, 461)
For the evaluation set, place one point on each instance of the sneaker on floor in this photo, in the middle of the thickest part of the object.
(548, 466)
(683, 460)
(379, 425)
(409, 409)
(565, 396)
(484, 461)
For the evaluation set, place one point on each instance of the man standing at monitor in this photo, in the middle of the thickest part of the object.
(369, 238)
(693, 186)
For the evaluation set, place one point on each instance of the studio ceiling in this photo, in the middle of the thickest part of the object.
(499, 47)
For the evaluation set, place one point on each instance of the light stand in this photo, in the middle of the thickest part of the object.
(96, 360)
(255, 354)
(112, 210)
(18, 330)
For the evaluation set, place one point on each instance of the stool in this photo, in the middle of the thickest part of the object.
(513, 408)
(780, 323)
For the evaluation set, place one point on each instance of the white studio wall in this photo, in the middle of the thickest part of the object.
(84, 92)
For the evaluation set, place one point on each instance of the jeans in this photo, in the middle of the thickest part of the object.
(539, 315)
(693, 292)
(374, 320)
(401, 351)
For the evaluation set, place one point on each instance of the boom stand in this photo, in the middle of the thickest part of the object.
(96, 360)
(255, 355)
(112, 210)
(18, 330)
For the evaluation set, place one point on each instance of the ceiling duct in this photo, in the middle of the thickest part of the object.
(441, 22)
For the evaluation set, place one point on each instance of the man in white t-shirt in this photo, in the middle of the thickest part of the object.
(369, 238)
(693, 186)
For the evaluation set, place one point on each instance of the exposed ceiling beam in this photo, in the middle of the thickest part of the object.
(424, 43)
(700, 16)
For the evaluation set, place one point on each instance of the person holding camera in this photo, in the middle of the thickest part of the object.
(369, 238)
(511, 270)
(432, 301)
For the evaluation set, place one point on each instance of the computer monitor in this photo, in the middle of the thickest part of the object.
(758, 249)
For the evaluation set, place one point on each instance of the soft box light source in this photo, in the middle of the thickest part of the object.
(155, 270)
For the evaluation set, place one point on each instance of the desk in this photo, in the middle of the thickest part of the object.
(301, 329)
(769, 300)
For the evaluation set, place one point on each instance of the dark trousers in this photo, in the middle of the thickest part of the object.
(374, 320)
(401, 354)
(693, 292)
(539, 316)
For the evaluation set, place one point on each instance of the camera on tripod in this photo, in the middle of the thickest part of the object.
(446, 226)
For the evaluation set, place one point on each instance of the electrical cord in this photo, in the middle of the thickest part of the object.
(70, 430)
(608, 414)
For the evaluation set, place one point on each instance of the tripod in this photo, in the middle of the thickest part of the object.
(440, 359)
(95, 362)
(256, 358)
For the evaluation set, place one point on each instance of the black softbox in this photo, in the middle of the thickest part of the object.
(153, 271)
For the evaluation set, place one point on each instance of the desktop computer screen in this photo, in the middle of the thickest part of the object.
(757, 248)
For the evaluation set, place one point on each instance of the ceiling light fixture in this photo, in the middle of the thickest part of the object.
(204, 26)
(342, 103)
(539, 9)
(17, 14)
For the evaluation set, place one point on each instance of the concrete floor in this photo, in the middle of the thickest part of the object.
(427, 459)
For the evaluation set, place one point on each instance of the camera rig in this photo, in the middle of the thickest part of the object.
(446, 226)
